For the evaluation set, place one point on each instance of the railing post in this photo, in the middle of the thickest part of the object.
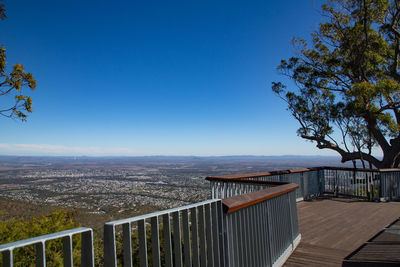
(155, 241)
(186, 238)
(67, 251)
(302, 185)
(222, 233)
(321, 181)
(177, 239)
(380, 187)
(271, 242)
(7, 258)
(290, 218)
(110, 253)
(202, 236)
(369, 195)
(127, 244)
(87, 255)
(40, 254)
(142, 243)
(167, 239)
(209, 241)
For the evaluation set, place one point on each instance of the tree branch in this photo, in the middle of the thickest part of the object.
(346, 156)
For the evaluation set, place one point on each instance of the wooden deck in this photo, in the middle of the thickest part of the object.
(333, 228)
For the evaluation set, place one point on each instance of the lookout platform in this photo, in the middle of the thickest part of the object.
(332, 228)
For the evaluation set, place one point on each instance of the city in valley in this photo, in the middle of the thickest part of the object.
(117, 187)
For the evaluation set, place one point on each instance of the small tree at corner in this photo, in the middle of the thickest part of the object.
(347, 81)
(12, 85)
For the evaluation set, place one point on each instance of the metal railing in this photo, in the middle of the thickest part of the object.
(87, 255)
(354, 183)
(359, 183)
(258, 228)
(198, 225)
(230, 185)
(263, 233)
(390, 184)
(224, 189)
(308, 181)
(255, 223)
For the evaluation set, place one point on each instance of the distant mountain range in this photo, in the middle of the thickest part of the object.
(272, 161)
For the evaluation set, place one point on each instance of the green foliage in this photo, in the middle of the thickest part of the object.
(17, 229)
(13, 83)
(135, 247)
(348, 82)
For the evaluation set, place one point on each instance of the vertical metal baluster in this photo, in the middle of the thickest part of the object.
(246, 236)
(253, 238)
(110, 253)
(202, 235)
(256, 233)
(215, 234)
(186, 238)
(366, 187)
(155, 242)
(230, 240)
(142, 243)
(357, 185)
(347, 184)
(207, 211)
(289, 207)
(237, 238)
(242, 239)
(221, 233)
(87, 253)
(258, 236)
(195, 237)
(67, 251)
(7, 258)
(269, 231)
(167, 240)
(127, 244)
(263, 236)
(177, 239)
(41, 254)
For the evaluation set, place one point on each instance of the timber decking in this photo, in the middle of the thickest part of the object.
(332, 228)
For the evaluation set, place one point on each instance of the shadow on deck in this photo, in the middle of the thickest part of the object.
(332, 228)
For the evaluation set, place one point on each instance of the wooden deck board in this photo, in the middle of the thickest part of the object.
(332, 228)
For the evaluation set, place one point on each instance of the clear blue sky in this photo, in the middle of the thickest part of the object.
(154, 77)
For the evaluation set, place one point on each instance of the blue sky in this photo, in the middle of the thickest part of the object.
(154, 77)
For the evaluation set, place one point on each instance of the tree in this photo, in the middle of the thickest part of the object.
(13, 83)
(347, 82)
(13, 229)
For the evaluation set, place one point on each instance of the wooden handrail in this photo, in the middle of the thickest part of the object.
(272, 173)
(255, 182)
(234, 203)
(253, 175)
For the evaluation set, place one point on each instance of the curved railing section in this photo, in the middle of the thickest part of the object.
(307, 179)
(258, 228)
(261, 227)
(360, 183)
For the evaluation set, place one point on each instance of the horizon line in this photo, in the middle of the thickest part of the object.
(164, 155)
